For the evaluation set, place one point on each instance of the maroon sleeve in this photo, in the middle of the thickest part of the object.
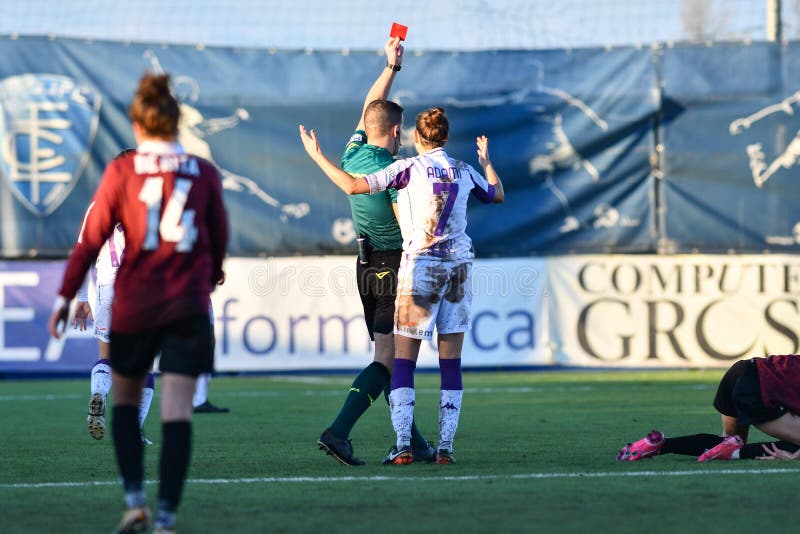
(779, 378)
(98, 223)
(217, 226)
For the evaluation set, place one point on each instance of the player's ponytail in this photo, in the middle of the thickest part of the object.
(155, 108)
(433, 127)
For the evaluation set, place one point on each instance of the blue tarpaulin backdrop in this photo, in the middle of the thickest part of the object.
(691, 148)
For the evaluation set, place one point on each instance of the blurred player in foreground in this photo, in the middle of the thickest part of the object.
(108, 261)
(763, 392)
(435, 277)
(371, 148)
(176, 231)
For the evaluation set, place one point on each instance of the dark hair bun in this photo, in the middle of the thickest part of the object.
(433, 126)
(154, 86)
(154, 107)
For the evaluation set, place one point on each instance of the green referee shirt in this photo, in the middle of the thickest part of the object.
(373, 215)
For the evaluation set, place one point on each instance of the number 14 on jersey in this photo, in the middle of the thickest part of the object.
(177, 224)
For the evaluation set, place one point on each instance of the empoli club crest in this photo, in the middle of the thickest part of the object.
(47, 126)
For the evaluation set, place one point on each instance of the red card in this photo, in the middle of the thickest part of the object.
(398, 30)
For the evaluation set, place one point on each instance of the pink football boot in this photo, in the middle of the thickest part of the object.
(723, 451)
(644, 448)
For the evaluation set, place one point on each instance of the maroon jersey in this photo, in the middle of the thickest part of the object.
(176, 231)
(779, 377)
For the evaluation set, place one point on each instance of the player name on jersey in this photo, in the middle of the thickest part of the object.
(182, 164)
(452, 173)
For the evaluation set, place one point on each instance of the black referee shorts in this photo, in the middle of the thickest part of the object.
(377, 286)
(186, 347)
(739, 395)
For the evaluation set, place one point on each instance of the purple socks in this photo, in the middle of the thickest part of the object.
(451, 374)
(403, 373)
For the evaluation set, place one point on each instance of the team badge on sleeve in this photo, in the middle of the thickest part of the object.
(47, 127)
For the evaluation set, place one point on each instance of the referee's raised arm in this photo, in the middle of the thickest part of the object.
(380, 89)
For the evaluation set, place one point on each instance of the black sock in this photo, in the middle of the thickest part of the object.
(755, 450)
(693, 445)
(175, 454)
(128, 447)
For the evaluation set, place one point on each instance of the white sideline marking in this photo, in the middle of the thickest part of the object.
(41, 397)
(381, 478)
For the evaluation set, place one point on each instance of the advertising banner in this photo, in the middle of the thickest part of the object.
(295, 314)
(290, 313)
(282, 314)
(27, 292)
(675, 311)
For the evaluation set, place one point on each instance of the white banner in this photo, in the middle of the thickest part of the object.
(305, 313)
(672, 310)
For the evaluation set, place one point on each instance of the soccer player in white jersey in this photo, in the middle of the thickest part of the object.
(434, 281)
(106, 266)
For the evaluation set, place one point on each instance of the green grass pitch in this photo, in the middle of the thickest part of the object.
(535, 452)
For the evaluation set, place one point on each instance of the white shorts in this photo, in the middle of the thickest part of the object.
(433, 293)
(102, 312)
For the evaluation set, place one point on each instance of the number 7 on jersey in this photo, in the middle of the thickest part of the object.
(449, 191)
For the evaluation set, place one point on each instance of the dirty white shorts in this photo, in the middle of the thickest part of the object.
(433, 292)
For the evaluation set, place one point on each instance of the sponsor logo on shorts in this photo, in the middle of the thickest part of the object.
(382, 274)
(412, 331)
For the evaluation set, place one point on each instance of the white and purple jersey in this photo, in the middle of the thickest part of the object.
(106, 267)
(110, 257)
(108, 260)
(433, 190)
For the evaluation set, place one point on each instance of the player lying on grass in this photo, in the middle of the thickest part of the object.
(763, 392)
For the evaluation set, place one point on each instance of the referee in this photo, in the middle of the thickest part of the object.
(371, 148)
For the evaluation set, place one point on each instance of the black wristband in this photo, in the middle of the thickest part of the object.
(394, 67)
